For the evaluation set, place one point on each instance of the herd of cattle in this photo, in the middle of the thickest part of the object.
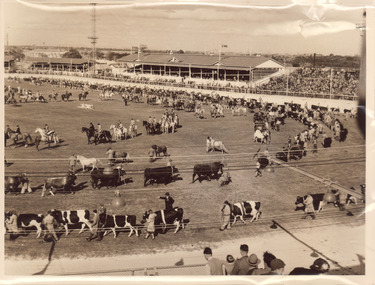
(241, 210)
(164, 219)
(113, 176)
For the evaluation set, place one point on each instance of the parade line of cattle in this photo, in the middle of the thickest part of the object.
(245, 209)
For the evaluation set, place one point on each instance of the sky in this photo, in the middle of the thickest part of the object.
(190, 26)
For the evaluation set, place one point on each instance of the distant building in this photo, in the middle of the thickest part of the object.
(8, 62)
(59, 64)
(232, 68)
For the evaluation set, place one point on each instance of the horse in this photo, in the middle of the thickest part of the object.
(148, 127)
(160, 149)
(103, 136)
(117, 132)
(239, 111)
(82, 97)
(217, 145)
(50, 137)
(66, 96)
(199, 112)
(15, 137)
(85, 162)
(89, 132)
(213, 111)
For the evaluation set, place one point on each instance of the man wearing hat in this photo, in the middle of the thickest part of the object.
(168, 202)
(254, 261)
(277, 267)
(241, 265)
(320, 266)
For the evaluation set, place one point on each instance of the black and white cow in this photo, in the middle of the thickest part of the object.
(246, 209)
(119, 222)
(318, 202)
(28, 221)
(169, 218)
(72, 217)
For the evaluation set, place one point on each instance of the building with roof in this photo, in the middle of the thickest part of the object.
(59, 64)
(8, 62)
(232, 68)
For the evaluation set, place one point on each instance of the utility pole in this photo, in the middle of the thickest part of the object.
(93, 36)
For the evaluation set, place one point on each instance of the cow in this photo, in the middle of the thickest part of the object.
(66, 183)
(207, 170)
(173, 217)
(28, 221)
(327, 142)
(159, 174)
(72, 217)
(318, 202)
(245, 209)
(119, 222)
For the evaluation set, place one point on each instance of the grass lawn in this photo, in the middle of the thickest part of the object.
(343, 162)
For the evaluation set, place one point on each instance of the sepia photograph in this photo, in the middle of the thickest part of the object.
(185, 139)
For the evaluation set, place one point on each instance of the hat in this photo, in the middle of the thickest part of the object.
(321, 265)
(277, 264)
(166, 193)
(230, 258)
(253, 260)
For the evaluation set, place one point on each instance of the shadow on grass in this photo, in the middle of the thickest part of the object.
(52, 249)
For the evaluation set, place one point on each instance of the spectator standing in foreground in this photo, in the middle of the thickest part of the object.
(241, 265)
(277, 267)
(320, 266)
(214, 266)
(229, 264)
(254, 261)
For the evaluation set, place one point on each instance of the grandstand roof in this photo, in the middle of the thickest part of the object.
(202, 61)
(8, 58)
(48, 60)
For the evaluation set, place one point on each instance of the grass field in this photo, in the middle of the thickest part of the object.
(343, 162)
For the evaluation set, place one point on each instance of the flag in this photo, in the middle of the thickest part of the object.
(224, 46)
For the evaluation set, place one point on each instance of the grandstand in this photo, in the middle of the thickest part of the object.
(193, 66)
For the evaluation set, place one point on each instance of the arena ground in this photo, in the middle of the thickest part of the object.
(343, 162)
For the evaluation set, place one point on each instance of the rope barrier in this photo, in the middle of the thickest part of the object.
(358, 212)
(192, 155)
